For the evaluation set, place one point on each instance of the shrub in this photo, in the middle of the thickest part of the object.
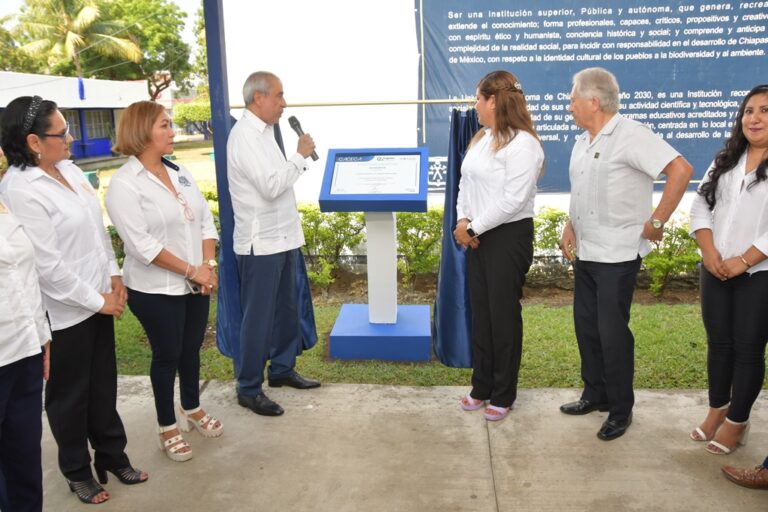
(675, 256)
(328, 236)
(548, 227)
(117, 244)
(419, 237)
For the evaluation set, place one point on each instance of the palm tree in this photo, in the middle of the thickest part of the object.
(62, 29)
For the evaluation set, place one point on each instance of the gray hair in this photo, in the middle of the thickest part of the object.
(256, 82)
(598, 83)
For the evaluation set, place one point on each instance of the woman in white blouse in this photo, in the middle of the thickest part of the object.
(23, 366)
(495, 212)
(82, 292)
(729, 219)
(170, 266)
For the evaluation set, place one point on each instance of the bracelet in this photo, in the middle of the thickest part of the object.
(744, 260)
(194, 274)
(186, 272)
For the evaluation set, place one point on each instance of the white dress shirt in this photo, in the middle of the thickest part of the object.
(612, 189)
(150, 218)
(498, 187)
(261, 185)
(73, 253)
(23, 326)
(740, 217)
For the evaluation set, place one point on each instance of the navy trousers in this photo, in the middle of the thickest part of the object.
(602, 299)
(21, 428)
(270, 328)
(175, 326)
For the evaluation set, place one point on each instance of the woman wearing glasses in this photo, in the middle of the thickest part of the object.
(82, 292)
(169, 269)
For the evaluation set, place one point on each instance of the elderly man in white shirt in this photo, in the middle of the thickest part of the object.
(613, 166)
(267, 236)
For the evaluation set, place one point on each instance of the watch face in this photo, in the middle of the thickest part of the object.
(656, 223)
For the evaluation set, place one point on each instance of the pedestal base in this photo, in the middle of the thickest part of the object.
(354, 337)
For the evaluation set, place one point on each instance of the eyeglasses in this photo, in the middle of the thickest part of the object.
(63, 136)
(187, 210)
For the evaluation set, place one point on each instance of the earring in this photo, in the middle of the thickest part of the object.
(39, 156)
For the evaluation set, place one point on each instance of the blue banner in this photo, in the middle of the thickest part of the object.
(683, 67)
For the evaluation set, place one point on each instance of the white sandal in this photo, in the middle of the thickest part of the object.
(717, 448)
(173, 446)
(205, 425)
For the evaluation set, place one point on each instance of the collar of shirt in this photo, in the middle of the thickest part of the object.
(605, 131)
(256, 121)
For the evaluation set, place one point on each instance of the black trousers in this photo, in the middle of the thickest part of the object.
(602, 299)
(81, 398)
(496, 272)
(734, 317)
(175, 326)
(21, 428)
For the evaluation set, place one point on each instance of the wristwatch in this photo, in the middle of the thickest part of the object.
(656, 223)
(212, 263)
(471, 231)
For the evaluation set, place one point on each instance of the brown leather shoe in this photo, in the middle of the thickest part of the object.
(754, 478)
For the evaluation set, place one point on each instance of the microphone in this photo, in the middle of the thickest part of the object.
(297, 128)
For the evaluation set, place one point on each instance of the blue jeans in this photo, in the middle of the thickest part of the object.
(270, 328)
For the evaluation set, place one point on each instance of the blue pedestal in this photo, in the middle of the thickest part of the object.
(354, 337)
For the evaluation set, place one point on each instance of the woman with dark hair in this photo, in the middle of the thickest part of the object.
(495, 212)
(170, 266)
(82, 292)
(729, 219)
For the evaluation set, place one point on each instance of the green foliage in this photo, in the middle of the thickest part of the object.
(58, 31)
(200, 64)
(14, 59)
(197, 114)
(156, 26)
(419, 237)
(548, 228)
(676, 255)
(117, 244)
(328, 236)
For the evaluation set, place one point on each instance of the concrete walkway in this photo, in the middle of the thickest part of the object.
(349, 447)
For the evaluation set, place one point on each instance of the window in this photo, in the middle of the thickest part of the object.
(73, 120)
(99, 124)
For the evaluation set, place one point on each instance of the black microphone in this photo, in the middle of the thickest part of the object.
(297, 128)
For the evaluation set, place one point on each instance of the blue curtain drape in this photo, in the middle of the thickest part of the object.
(229, 310)
(451, 325)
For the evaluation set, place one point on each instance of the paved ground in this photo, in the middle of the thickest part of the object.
(387, 448)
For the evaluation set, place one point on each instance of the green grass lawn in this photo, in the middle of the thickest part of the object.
(670, 352)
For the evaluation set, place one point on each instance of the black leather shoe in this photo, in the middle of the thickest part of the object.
(260, 404)
(582, 407)
(612, 429)
(295, 381)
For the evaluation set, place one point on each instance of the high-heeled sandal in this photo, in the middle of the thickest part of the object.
(698, 434)
(86, 490)
(717, 448)
(173, 445)
(127, 475)
(471, 404)
(205, 425)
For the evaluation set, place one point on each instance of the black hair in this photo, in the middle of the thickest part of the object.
(735, 146)
(28, 112)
